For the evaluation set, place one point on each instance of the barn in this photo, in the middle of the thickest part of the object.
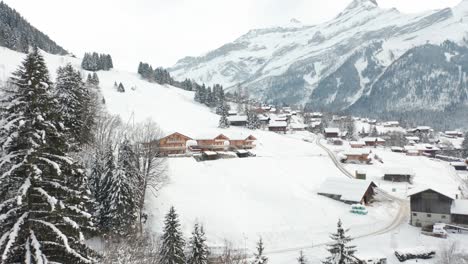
(349, 191)
(331, 132)
(459, 212)
(429, 207)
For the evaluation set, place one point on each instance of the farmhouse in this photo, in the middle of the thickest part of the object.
(373, 141)
(331, 132)
(175, 143)
(278, 127)
(398, 174)
(349, 191)
(358, 156)
(219, 143)
(237, 120)
(421, 149)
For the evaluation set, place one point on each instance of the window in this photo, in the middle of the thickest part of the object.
(415, 214)
(429, 215)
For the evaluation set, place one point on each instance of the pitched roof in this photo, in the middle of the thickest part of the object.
(278, 124)
(176, 133)
(237, 118)
(332, 130)
(348, 189)
(414, 192)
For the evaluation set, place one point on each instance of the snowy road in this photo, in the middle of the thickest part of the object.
(400, 218)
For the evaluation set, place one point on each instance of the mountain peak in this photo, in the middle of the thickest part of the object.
(362, 3)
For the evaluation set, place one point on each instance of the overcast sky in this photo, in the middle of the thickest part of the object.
(162, 31)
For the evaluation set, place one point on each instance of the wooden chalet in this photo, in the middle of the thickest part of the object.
(219, 143)
(278, 127)
(175, 143)
(356, 156)
(331, 132)
(350, 191)
(374, 141)
(247, 143)
(421, 150)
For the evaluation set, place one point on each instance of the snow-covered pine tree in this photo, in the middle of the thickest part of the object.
(121, 88)
(464, 146)
(374, 132)
(198, 248)
(96, 180)
(42, 208)
(340, 252)
(172, 248)
(95, 79)
(105, 184)
(301, 259)
(253, 122)
(75, 104)
(223, 120)
(259, 257)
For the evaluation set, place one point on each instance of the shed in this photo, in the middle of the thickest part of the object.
(355, 156)
(357, 144)
(459, 212)
(349, 191)
(241, 153)
(398, 174)
(209, 155)
(459, 166)
(397, 149)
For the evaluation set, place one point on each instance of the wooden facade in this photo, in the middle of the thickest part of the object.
(175, 143)
(429, 207)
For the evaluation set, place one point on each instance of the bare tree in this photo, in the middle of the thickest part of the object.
(134, 250)
(152, 166)
(452, 254)
(229, 255)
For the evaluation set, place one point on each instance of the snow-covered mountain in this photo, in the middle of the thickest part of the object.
(337, 64)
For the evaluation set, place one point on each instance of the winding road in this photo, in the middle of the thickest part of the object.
(400, 218)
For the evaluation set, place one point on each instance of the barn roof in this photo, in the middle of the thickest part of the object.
(417, 191)
(278, 124)
(237, 118)
(348, 189)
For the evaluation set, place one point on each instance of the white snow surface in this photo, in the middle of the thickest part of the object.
(273, 195)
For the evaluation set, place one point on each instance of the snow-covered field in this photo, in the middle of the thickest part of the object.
(272, 195)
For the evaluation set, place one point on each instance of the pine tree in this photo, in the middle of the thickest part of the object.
(172, 248)
(340, 252)
(42, 189)
(464, 146)
(301, 259)
(75, 104)
(95, 79)
(121, 88)
(374, 132)
(198, 248)
(253, 122)
(259, 257)
(223, 120)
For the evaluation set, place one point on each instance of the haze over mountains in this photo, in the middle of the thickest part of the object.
(368, 60)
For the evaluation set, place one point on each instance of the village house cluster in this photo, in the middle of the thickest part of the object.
(177, 143)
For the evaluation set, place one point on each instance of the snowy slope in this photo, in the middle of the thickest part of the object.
(272, 195)
(330, 65)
